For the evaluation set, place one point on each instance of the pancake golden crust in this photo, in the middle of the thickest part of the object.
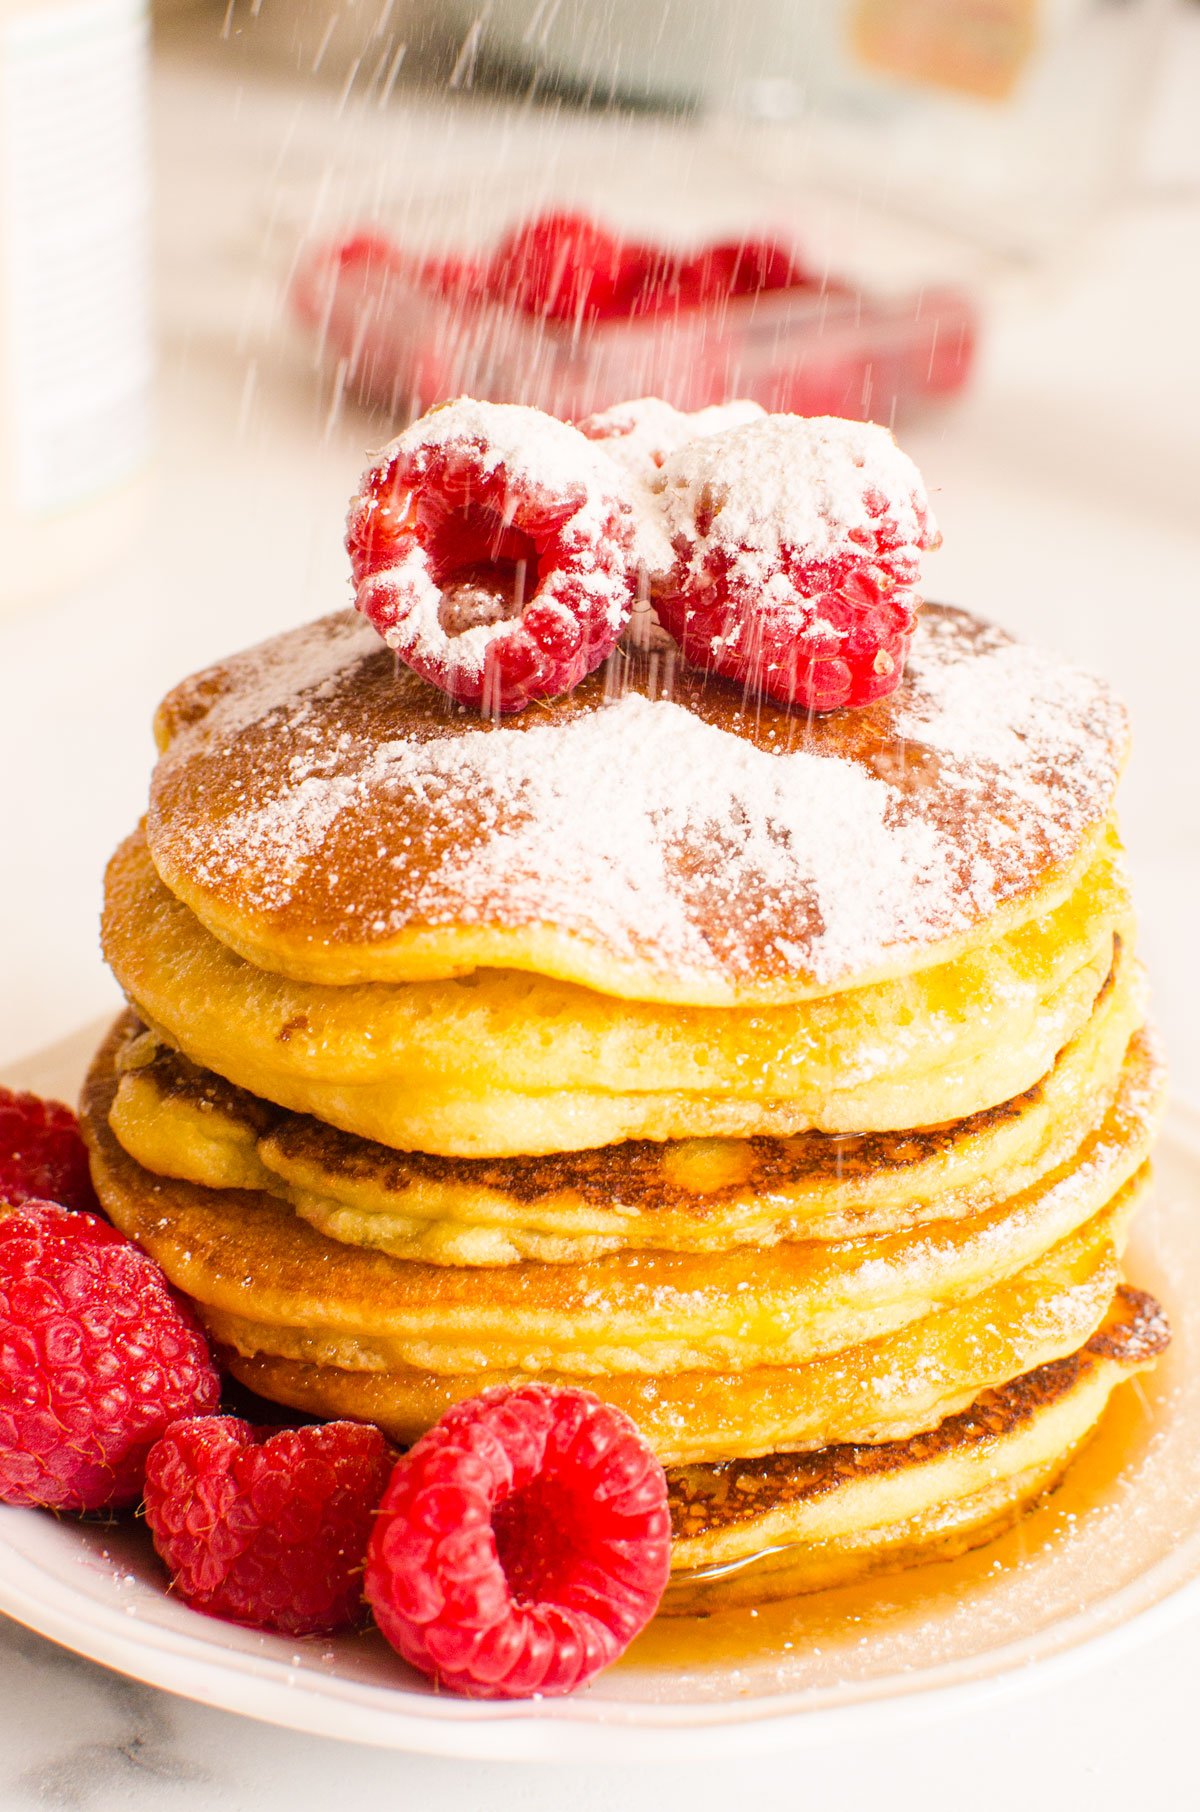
(883, 1390)
(501, 1063)
(693, 1195)
(243, 1254)
(750, 1531)
(731, 1492)
(338, 822)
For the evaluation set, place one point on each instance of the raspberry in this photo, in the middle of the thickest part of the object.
(562, 267)
(491, 549)
(42, 1157)
(744, 267)
(363, 251)
(651, 281)
(456, 278)
(521, 1544)
(372, 254)
(642, 433)
(96, 1358)
(267, 1526)
(797, 548)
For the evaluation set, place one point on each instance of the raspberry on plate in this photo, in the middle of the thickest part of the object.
(491, 547)
(96, 1358)
(42, 1157)
(267, 1526)
(522, 1543)
(797, 544)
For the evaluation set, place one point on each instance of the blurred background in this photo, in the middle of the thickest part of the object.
(241, 241)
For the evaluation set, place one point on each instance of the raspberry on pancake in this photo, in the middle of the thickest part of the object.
(491, 549)
(797, 547)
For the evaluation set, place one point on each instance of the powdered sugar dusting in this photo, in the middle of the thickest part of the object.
(794, 482)
(773, 821)
(1031, 696)
(638, 436)
(682, 834)
(534, 449)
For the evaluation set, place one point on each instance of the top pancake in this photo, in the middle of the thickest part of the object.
(653, 835)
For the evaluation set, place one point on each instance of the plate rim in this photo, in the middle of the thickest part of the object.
(559, 1730)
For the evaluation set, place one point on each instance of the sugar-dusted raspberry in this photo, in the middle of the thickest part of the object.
(96, 1358)
(42, 1157)
(797, 546)
(562, 266)
(521, 1544)
(642, 433)
(638, 436)
(267, 1526)
(491, 548)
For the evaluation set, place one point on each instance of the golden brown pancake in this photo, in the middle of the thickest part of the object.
(500, 1063)
(696, 1195)
(338, 821)
(882, 1390)
(242, 1253)
(750, 1530)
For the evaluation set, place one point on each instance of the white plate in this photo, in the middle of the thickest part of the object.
(1111, 1558)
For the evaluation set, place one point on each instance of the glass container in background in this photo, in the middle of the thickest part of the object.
(75, 342)
(915, 155)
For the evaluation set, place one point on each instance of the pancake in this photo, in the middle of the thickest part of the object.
(882, 1390)
(696, 1195)
(243, 1253)
(748, 1531)
(338, 821)
(501, 1063)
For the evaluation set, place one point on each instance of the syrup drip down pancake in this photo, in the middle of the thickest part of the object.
(866, 1485)
(746, 1533)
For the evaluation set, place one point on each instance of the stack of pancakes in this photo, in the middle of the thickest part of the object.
(781, 1079)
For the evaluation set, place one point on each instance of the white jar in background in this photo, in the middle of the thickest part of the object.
(75, 342)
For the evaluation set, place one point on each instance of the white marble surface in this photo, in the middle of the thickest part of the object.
(1067, 486)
